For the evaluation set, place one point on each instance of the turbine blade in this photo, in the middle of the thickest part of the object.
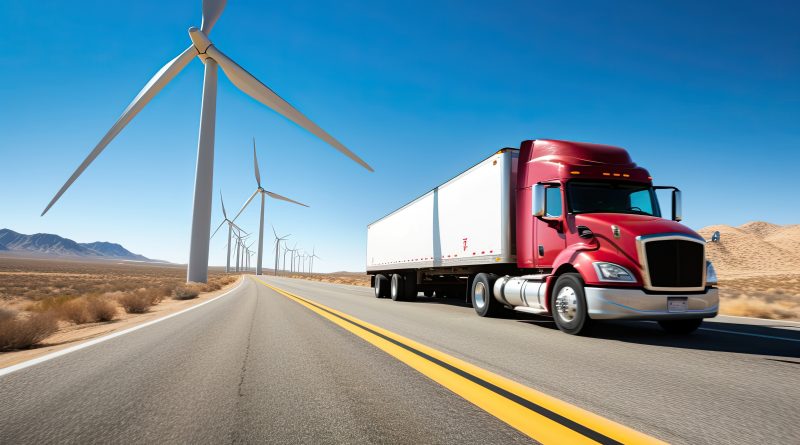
(255, 163)
(218, 227)
(283, 198)
(245, 205)
(212, 9)
(221, 201)
(260, 92)
(161, 78)
(273, 231)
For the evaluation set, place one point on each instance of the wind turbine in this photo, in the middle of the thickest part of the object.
(211, 57)
(278, 240)
(239, 245)
(264, 194)
(313, 255)
(285, 251)
(231, 227)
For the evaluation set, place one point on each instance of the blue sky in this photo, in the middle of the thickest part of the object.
(704, 94)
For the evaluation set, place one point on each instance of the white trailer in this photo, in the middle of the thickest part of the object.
(444, 229)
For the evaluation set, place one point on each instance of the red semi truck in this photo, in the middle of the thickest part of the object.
(567, 229)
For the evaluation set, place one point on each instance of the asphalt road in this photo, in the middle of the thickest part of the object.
(257, 367)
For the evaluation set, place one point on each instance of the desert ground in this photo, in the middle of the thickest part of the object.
(50, 302)
(758, 265)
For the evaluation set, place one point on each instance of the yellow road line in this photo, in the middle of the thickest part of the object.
(539, 416)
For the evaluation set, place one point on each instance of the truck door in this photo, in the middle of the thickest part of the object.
(549, 238)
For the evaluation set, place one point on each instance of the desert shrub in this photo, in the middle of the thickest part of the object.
(187, 291)
(101, 309)
(140, 300)
(17, 332)
(75, 310)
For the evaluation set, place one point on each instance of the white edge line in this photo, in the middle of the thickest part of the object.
(65, 351)
(750, 334)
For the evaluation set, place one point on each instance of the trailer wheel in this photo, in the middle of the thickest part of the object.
(568, 305)
(381, 286)
(396, 291)
(483, 295)
(681, 327)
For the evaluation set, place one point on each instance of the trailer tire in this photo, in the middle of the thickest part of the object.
(381, 286)
(568, 305)
(681, 327)
(482, 295)
(396, 289)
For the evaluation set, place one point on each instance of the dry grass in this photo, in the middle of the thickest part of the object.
(40, 292)
(351, 278)
(774, 296)
(18, 331)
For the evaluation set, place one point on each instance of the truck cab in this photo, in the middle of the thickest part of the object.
(589, 223)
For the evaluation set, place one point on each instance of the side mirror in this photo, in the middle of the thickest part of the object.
(677, 213)
(537, 200)
(715, 237)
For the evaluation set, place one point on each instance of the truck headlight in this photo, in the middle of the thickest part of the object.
(613, 272)
(711, 274)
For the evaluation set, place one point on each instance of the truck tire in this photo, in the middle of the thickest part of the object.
(396, 288)
(568, 305)
(681, 327)
(381, 286)
(482, 295)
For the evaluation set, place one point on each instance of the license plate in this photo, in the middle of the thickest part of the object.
(677, 304)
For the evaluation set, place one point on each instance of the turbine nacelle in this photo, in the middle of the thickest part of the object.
(200, 41)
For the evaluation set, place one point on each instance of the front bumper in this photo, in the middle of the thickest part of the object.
(635, 304)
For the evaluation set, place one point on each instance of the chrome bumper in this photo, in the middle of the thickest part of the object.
(634, 304)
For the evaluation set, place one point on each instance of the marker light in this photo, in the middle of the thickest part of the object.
(575, 172)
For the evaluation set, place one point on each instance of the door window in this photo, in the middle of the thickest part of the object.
(552, 202)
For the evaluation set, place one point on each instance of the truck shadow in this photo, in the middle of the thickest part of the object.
(737, 338)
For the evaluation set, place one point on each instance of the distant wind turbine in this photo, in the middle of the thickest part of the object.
(231, 227)
(313, 255)
(278, 240)
(208, 53)
(264, 193)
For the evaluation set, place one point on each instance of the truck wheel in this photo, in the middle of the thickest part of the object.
(381, 286)
(483, 295)
(568, 305)
(396, 291)
(681, 327)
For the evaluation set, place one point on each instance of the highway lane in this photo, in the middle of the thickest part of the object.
(711, 387)
(256, 366)
(251, 367)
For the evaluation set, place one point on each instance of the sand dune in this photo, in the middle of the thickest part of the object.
(755, 249)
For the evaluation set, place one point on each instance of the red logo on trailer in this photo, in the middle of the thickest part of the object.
(465, 244)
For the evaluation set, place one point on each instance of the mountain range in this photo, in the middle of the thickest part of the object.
(54, 245)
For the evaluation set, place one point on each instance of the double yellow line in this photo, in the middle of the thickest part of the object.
(539, 416)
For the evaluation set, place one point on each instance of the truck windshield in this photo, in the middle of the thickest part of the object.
(611, 197)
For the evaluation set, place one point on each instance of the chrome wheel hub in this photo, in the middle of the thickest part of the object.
(566, 304)
(480, 295)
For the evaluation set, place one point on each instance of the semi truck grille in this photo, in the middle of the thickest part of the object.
(675, 263)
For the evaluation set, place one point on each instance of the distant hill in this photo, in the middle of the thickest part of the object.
(54, 245)
(754, 249)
